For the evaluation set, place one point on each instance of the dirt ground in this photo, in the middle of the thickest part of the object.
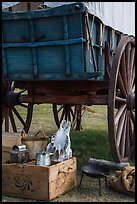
(87, 192)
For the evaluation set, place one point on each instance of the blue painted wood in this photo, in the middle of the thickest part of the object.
(51, 45)
(40, 44)
(34, 56)
(68, 71)
(4, 65)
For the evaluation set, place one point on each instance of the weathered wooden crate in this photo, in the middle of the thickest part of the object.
(5, 153)
(8, 140)
(38, 182)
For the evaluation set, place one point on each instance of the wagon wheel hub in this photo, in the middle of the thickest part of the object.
(131, 101)
(11, 98)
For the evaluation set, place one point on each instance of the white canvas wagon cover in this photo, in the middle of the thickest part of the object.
(118, 15)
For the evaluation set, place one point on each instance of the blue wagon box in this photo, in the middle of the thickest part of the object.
(53, 44)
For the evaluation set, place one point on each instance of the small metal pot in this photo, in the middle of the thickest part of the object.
(19, 154)
(43, 158)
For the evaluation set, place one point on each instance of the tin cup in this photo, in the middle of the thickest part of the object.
(43, 158)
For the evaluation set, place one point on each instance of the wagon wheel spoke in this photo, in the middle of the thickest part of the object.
(4, 109)
(128, 65)
(123, 69)
(29, 117)
(74, 116)
(76, 124)
(121, 86)
(13, 122)
(18, 116)
(132, 116)
(79, 116)
(133, 80)
(12, 86)
(10, 118)
(132, 134)
(74, 120)
(72, 113)
(7, 120)
(24, 105)
(62, 116)
(119, 113)
(121, 100)
(67, 112)
(127, 138)
(132, 67)
(119, 131)
(126, 73)
(133, 89)
(15, 117)
(60, 108)
(131, 127)
(123, 138)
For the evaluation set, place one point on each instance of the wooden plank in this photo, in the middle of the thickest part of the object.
(22, 6)
(26, 181)
(65, 99)
(9, 139)
(108, 164)
(62, 87)
(63, 178)
(6, 153)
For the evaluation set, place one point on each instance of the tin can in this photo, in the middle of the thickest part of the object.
(43, 158)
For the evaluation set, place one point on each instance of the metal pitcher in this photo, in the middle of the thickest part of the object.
(43, 158)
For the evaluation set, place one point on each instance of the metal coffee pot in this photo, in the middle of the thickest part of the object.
(43, 158)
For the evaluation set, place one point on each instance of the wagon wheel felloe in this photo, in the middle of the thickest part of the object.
(14, 114)
(68, 112)
(121, 100)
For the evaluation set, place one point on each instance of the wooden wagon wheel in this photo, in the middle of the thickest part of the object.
(121, 100)
(68, 112)
(10, 113)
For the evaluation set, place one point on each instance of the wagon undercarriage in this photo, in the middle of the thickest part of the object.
(66, 98)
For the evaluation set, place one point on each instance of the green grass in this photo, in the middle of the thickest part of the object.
(92, 141)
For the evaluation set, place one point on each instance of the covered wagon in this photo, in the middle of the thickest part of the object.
(71, 54)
